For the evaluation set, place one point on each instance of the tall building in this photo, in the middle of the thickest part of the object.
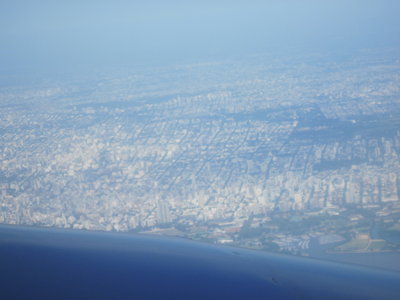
(163, 215)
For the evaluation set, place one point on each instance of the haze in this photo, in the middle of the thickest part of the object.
(57, 35)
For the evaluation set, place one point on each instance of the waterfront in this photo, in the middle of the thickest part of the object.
(384, 260)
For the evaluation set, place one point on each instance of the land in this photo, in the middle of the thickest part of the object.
(258, 152)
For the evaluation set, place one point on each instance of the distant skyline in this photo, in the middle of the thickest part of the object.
(272, 125)
(57, 35)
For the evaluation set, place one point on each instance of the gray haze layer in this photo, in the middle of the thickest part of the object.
(65, 35)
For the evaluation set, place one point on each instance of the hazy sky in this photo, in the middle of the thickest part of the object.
(55, 34)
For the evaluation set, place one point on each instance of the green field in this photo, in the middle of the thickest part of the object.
(353, 245)
(362, 245)
(395, 227)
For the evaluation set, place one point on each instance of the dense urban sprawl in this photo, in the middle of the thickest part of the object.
(261, 153)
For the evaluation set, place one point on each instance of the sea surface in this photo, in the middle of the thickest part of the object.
(66, 264)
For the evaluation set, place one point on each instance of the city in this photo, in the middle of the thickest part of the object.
(259, 153)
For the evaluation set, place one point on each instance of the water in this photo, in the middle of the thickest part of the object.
(66, 264)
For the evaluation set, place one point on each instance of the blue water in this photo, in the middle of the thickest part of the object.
(62, 264)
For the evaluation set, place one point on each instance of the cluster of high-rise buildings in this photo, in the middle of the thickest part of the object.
(187, 150)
